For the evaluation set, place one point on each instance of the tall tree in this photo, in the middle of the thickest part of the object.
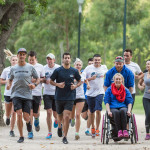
(10, 13)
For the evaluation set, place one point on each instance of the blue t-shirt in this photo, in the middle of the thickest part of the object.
(65, 75)
(113, 102)
(126, 73)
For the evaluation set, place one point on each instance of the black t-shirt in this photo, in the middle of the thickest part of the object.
(65, 75)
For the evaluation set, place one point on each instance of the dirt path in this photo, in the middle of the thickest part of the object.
(87, 143)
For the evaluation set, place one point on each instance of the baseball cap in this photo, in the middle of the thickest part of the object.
(22, 50)
(119, 59)
(50, 55)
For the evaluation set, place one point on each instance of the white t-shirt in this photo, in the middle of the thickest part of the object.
(48, 88)
(37, 91)
(135, 68)
(80, 90)
(5, 75)
(96, 86)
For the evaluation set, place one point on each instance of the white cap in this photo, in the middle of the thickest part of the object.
(50, 55)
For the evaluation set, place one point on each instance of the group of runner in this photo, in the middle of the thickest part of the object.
(68, 92)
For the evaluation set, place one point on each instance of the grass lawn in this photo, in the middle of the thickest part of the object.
(138, 105)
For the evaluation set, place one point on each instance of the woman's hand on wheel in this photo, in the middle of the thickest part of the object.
(129, 113)
(110, 113)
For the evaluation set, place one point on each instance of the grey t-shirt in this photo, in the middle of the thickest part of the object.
(21, 76)
(147, 86)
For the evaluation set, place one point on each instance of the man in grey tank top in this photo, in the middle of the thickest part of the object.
(21, 75)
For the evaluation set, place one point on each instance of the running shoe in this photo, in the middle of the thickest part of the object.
(7, 121)
(49, 136)
(30, 135)
(87, 132)
(59, 132)
(120, 134)
(21, 139)
(97, 133)
(77, 137)
(72, 122)
(125, 134)
(64, 140)
(36, 124)
(93, 132)
(55, 124)
(12, 134)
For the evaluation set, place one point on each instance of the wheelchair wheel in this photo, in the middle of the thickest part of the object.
(103, 131)
(107, 140)
(136, 132)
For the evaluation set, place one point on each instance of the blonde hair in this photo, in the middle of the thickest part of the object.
(78, 60)
(119, 74)
(9, 54)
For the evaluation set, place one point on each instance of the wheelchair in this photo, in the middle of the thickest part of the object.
(107, 130)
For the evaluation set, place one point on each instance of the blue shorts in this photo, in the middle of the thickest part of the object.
(95, 103)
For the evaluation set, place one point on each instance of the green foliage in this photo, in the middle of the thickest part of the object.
(101, 29)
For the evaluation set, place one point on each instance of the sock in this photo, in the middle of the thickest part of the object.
(77, 133)
(88, 129)
(29, 127)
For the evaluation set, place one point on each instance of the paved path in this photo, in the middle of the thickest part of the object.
(85, 143)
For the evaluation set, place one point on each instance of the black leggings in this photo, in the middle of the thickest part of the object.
(146, 105)
(119, 119)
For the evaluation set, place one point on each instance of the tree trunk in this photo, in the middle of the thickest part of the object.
(9, 17)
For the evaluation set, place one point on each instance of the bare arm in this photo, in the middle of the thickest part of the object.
(88, 85)
(92, 78)
(131, 89)
(129, 110)
(32, 86)
(3, 81)
(9, 83)
(141, 84)
(140, 76)
(60, 85)
(74, 86)
(105, 88)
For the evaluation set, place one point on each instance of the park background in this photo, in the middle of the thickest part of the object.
(51, 26)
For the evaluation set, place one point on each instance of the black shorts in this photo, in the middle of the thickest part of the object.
(49, 102)
(35, 103)
(7, 99)
(85, 108)
(62, 105)
(22, 103)
(78, 101)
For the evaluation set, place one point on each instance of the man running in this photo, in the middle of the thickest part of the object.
(65, 94)
(21, 94)
(134, 67)
(36, 92)
(120, 68)
(95, 75)
(49, 92)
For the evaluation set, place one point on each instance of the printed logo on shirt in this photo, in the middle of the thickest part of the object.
(8, 75)
(47, 75)
(98, 75)
(93, 73)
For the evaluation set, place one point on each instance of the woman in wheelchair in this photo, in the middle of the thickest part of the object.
(118, 101)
